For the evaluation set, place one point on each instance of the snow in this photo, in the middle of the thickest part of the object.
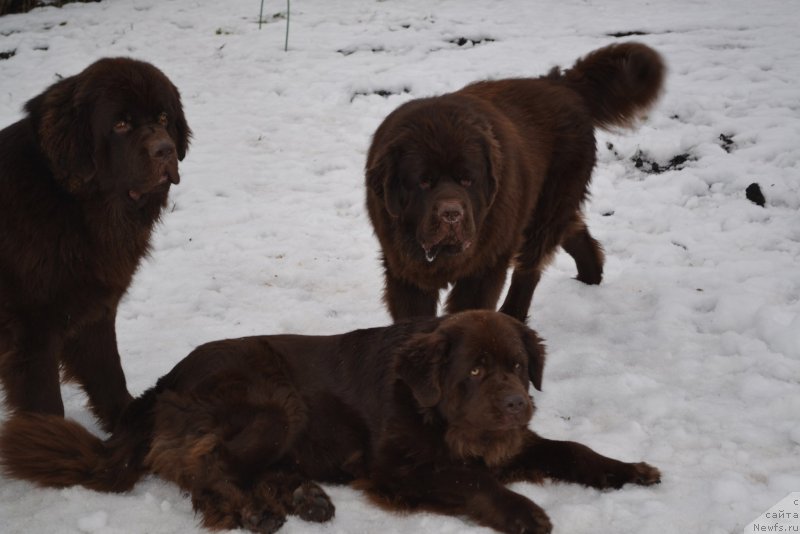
(687, 356)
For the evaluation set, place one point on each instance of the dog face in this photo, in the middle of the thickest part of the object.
(117, 127)
(437, 175)
(474, 371)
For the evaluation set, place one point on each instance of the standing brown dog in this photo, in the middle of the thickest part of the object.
(430, 414)
(83, 179)
(463, 185)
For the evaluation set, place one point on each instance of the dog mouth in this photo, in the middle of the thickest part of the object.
(511, 422)
(450, 246)
(166, 176)
(505, 420)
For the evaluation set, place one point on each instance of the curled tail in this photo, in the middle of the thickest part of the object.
(618, 82)
(56, 452)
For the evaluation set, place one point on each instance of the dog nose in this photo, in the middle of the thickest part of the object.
(450, 211)
(514, 403)
(161, 149)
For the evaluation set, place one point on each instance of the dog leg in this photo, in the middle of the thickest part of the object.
(480, 291)
(556, 215)
(585, 250)
(574, 462)
(236, 490)
(520, 293)
(461, 491)
(406, 300)
(541, 240)
(218, 447)
(536, 254)
(91, 358)
(264, 506)
(296, 494)
(224, 505)
(30, 373)
(542, 236)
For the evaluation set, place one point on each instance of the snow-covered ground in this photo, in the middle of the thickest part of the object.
(687, 356)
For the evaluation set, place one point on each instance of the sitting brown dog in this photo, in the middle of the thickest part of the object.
(84, 177)
(462, 186)
(431, 415)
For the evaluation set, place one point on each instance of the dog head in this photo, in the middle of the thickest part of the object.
(117, 127)
(435, 163)
(473, 371)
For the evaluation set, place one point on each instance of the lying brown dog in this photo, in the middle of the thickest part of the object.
(428, 415)
(84, 177)
(462, 186)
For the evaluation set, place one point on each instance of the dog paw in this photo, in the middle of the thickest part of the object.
(262, 522)
(645, 474)
(528, 518)
(311, 503)
(618, 474)
(537, 523)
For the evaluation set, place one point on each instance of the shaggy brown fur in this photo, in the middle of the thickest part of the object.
(431, 414)
(83, 179)
(463, 185)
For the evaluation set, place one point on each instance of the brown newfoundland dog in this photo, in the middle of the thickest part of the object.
(83, 179)
(430, 414)
(463, 185)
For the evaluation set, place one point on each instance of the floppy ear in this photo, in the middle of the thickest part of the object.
(382, 179)
(536, 351)
(181, 126)
(63, 125)
(418, 363)
(493, 158)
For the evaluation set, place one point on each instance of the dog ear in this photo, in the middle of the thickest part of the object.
(181, 126)
(493, 159)
(63, 126)
(383, 180)
(418, 363)
(536, 354)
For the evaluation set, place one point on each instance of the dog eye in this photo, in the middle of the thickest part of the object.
(424, 183)
(466, 183)
(517, 366)
(476, 371)
(122, 126)
(162, 119)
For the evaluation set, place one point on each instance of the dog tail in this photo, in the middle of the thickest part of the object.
(618, 82)
(56, 452)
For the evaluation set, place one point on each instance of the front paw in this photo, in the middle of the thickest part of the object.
(526, 517)
(311, 503)
(645, 474)
(262, 522)
(618, 474)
